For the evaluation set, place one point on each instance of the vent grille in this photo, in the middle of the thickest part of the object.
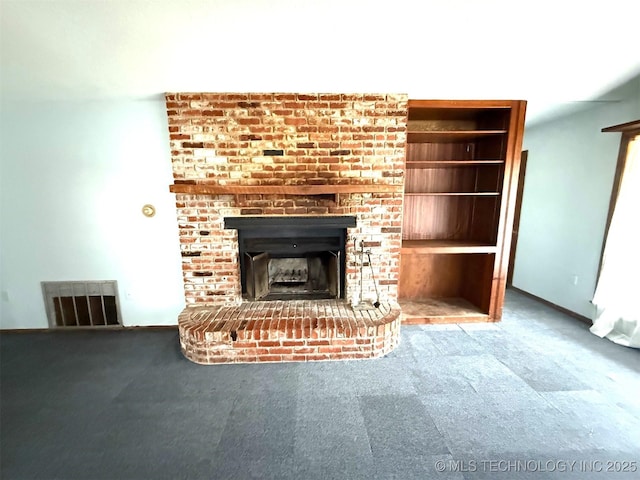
(82, 304)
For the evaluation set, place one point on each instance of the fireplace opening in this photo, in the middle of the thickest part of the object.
(316, 275)
(284, 258)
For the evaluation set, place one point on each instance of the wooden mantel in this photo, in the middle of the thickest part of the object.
(216, 189)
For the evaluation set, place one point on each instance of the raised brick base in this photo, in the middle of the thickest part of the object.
(290, 331)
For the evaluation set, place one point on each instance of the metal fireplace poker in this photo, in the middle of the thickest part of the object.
(362, 305)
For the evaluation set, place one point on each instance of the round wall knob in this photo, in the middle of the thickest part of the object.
(148, 210)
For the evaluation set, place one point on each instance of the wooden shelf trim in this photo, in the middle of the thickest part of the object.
(445, 105)
(623, 127)
(207, 189)
(450, 163)
(445, 246)
(458, 133)
(444, 136)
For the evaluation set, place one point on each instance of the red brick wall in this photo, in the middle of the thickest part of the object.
(286, 139)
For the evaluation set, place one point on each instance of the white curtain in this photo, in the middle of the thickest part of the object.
(617, 296)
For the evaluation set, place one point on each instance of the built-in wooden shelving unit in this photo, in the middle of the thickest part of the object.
(461, 175)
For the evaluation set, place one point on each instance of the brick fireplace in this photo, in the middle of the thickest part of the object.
(275, 156)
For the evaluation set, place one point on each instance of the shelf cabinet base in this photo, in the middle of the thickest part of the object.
(441, 310)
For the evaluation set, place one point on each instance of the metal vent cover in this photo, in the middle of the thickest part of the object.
(82, 303)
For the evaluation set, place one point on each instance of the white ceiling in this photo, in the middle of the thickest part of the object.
(557, 54)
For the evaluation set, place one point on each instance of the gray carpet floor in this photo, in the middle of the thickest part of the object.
(520, 399)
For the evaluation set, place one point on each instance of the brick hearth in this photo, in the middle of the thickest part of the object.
(283, 154)
(281, 331)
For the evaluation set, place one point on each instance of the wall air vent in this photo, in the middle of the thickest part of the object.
(82, 304)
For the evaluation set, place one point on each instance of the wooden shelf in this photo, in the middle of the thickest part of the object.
(441, 310)
(446, 136)
(215, 189)
(450, 163)
(445, 246)
(453, 194)
(455, 108)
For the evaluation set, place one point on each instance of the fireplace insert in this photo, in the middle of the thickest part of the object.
(292, 257)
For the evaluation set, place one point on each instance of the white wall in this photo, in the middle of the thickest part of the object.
(73, 180)
(567, 189)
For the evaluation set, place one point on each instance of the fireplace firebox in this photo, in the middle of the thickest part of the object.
(292, 257)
